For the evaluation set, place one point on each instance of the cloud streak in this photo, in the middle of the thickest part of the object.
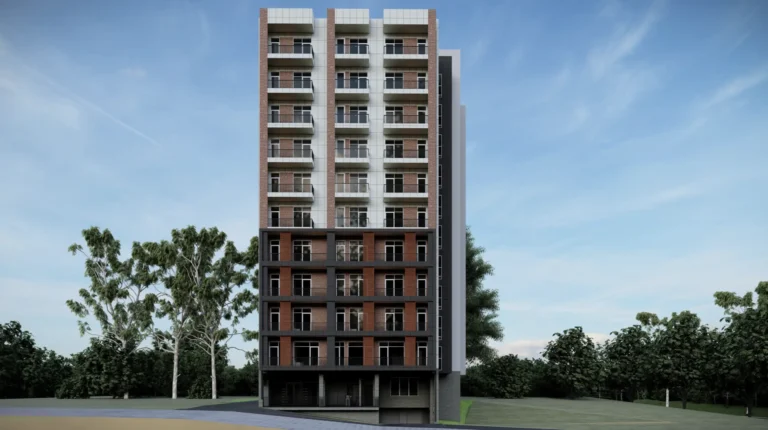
(736, 87)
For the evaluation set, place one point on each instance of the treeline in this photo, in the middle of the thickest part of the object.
(696, 362)
(197, 281)
(32, 371)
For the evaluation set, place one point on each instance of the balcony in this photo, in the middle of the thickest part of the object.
(397, 55)
(400, 325)
(356, 54)
(303, 192)
(292, 123)
(299, 54)
(359, 221)
(398, 123)
(398, 292)
(352, 123)
(400, 361)
(296, 291)
(308, 256)
(352, 89)
(352, 157)
(295, 222)
(396, 157)
(397, 89)
(405, 191)
(420, 257)
(352, 191)
(290, 89)
(295, 157)
(310, 326)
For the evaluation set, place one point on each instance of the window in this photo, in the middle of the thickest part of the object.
(274, 182)
(440, 297)
(274, 148)
(391, 354)
(358, 216)
(274, 45)
(302, 319)
(274, 113)
(340, 218)
(440, 206)
(302, 250)
(302, 284)
(341, 285)
(393, 115)
(340, 320)
(421, 182)
(341, 251)
(440, 357)
(302, 46)
(302, 80)
(393, 183)
(355, 285)
(358, 114)
(302, 148)
(421, 149)
(302, 114)
(340, 46)
(274, 284)
(393, 81)
(302, 183)
(355, 353)
(440, 175)
(358, 149)
(421, 218)
(357, 183)
(274, 216)
(421, 285)
(274, 353)
(274, 319)
(421, 81)
(306, 353)
(393, 149)
(339, 350)
(274, 250)
(393, 46)
(421, 114)
(440, 266)
(421, 251)
(440, 327)
(421, 319)
(440, 236)
(440, 146)
(302, 216)
(355, 250)
(440, 116)
(393, 250)
(404, 387)
(393, 285)
(421, 44)
(440, 85)
(393, 217)
(421, 354)
(355, 319)
(358, 46)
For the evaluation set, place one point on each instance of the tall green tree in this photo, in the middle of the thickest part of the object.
(482, 306)
(221, 301)
(628, 359)
(746, 340)
(573, 361)
(117, 296)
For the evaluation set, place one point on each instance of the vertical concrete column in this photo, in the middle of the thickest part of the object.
(432, 76)
(330, 113)
(331, 241)
(376, 390)
(330, 310)
(433, 416)
(330, 281)
(320, 390)
(331, 351)
(265, 395)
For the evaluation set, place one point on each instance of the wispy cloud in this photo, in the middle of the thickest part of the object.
(623, 43)
(736, 87)
(134, 72)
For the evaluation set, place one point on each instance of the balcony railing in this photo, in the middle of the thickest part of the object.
(303, 117)
(297, 291)
(349, 361)
(349, 256)
(399, 325)
(291, 188)
(297, 48)
(359, 152)
(352, 187)
(291, 153)
(399, 118)
(352, 84)
(396, 188)
(353, 222)
(300, 361)
(308, 256)
(405, 222)
(400, 49)
(400, 256)
(295, 83)
(310, 326)
(314, 361)
(303, 222)
(401, 84)
(350, 326)
(349, 291)
(420, 360)
(352, 118)
(353, 48)
(397, 152)
(398, 292)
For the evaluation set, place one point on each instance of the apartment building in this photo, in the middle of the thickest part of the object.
(362, 216)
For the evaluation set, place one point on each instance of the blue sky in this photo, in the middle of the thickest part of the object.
(616, 156)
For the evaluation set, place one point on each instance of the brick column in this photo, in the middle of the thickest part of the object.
(410, 351)
(285, 351)
(410, 247)
(369, 316)
(285, 316)
(330, 134)
(410, 282)
(263, 114)
(368, 351)
(369, 282)
(285, 281)
(285, 247)
(410, 316)
(369, 247)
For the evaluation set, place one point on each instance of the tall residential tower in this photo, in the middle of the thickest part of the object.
(362, 216)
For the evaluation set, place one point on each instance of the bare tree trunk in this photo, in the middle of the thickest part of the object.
(175, 368)
(213, 370)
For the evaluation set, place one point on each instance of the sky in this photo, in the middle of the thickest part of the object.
(616, 151)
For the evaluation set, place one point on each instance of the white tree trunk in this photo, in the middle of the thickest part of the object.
(175, 368)
(213, 370)
(125, 396)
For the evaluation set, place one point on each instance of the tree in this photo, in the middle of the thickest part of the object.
(680, 344)
(16, 347)
(573, 361)
(628, 359)
(117, 296)
(746, 340)
(184, 264)
(508, 377)
(482, 305)
(221, 302)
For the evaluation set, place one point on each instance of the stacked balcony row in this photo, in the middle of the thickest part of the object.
(298, 51)
(410, 352)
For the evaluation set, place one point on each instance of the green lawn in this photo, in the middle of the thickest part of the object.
(109, 403)
(718, 409)
(465, 405)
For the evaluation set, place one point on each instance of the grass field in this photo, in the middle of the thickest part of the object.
(465, 405)
(718, 409)
(109, 403)
(584, 414)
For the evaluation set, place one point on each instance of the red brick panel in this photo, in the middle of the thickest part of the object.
(285, 350)
(410, 282)
(285, 281)
(369, 282)
(285, 246)
(369, 246)
(369, 316)
(285, 316)
(368, 351)
(410, 247)
(410, 316)
(263, 115)
(286, 76)
(410, 351)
